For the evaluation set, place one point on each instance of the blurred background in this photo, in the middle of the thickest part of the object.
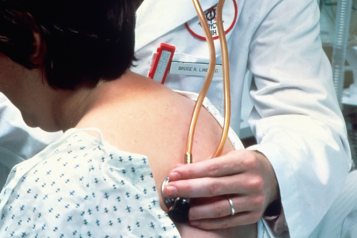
(339, 39)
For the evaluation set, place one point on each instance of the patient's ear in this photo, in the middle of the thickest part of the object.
(37, 57)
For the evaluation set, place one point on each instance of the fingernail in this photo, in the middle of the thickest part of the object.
(170, 191)
(194, 223)
(174, 176)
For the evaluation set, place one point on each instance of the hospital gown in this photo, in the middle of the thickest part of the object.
(82, 187)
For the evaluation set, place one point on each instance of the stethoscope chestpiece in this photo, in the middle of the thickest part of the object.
(178, 207)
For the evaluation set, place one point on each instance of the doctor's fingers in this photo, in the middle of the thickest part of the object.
(226, 222)
(210, 187)
(232, 163)
(243, 206)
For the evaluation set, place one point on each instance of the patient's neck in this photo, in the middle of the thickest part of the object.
(71, 106)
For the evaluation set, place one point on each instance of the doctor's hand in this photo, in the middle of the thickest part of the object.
(244, 176)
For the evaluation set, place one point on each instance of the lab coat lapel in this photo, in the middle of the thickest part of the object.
(156, 17)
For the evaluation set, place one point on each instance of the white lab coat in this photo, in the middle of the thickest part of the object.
(343, 213)
(296, 118)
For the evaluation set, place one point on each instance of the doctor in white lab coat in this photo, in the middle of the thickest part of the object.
(296, 118)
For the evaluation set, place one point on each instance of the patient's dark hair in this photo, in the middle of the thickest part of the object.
(85, 39)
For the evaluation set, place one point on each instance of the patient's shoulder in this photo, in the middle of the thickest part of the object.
(151, 114)
(139, 115)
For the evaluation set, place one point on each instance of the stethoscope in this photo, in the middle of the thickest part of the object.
(179, 207)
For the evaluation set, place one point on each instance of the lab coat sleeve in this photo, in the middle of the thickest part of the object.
(18, 141)
(296, 118)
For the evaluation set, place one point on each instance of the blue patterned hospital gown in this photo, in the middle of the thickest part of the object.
(81, 186)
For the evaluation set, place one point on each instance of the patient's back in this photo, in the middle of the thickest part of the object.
(141, 116)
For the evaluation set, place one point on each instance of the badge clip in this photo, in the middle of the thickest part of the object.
(161, 63)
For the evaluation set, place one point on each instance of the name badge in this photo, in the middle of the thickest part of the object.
(194, 69)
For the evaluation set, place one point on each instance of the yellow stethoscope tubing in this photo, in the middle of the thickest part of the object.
(226, 78)
(208, 80)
